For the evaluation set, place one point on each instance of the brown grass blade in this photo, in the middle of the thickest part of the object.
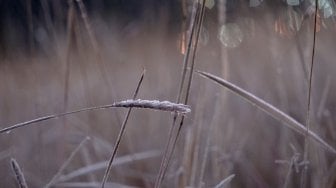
(269, 109)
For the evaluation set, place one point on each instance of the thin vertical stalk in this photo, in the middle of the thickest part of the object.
(169, 152)
(306, 146)
(183, 77)
(121, 132)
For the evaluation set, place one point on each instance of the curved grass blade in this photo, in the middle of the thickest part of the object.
(225, 181)
(269, 109)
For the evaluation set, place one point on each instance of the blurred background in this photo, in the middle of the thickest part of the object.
(57, 56)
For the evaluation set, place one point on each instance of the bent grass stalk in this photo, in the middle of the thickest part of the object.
(139, 103)
(270, 110)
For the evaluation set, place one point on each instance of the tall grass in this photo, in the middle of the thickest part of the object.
(208, 137)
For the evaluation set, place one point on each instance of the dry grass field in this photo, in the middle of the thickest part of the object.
(225, 141)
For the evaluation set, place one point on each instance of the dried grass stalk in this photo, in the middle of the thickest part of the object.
(196, 25)
(18, 174)
(121, 133)
(139, 103)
